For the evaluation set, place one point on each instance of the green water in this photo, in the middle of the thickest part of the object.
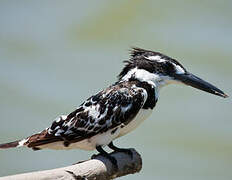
(54, 55)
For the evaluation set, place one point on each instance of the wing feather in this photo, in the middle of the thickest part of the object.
(115, 106)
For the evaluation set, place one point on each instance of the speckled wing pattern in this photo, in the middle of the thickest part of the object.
(112, 107)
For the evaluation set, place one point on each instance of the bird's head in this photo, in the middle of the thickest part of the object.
(159, 70)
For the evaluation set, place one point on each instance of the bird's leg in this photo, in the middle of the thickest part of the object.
(108, 156)
(127, 151)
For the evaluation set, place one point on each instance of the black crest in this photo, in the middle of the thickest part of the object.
(139, 58)
(135, 52)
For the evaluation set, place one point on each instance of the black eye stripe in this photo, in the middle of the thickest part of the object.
(170, 67)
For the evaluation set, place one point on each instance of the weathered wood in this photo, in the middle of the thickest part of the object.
(99, 168)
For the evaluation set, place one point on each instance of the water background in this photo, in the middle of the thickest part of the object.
(55, 54)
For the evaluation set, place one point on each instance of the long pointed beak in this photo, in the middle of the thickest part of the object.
(196, 82)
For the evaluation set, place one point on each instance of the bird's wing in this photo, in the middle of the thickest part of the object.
(117, 105)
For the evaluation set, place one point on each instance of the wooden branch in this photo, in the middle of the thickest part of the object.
(99, 168)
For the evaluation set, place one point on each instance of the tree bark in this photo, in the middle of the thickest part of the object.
(99, 168)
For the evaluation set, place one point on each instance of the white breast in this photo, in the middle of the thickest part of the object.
(141, 116)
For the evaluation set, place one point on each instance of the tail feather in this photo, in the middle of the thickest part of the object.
(34, 141)
(9, 145)
(14, 144)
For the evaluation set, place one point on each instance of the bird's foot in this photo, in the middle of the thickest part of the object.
(116, 149)
(107, 156)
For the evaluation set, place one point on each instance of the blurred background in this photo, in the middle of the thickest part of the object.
(55, 54)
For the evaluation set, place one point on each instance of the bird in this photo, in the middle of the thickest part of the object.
(118, 109)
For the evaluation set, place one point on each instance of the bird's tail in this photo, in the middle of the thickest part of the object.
(13, 144)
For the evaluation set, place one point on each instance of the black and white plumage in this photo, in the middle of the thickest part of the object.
(100, 119)
(118, 109)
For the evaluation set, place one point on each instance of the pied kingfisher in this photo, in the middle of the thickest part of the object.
(118, 109)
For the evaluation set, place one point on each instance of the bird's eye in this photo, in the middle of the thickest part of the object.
(170, 68)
